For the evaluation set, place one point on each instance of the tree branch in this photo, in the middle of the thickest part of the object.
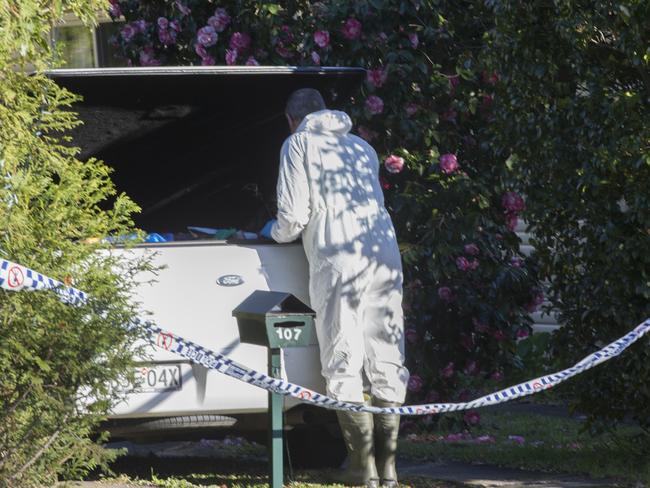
(40, 452)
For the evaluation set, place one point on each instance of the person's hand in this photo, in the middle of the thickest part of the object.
(266, 230)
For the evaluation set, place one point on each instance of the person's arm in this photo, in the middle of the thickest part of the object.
(293, 192)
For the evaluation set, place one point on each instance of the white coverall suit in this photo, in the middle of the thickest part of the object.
(329, 192)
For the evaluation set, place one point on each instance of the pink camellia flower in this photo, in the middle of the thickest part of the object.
(251, 61)
(376, 77)
(511, 221)
(231, 56)
(471, 369)
(140, 25)
(490, 78)
(207, 61)
(448, 163)
(432, 397)
(114, 10)
(522, 333)
(473, 264)
(447, 371)
(167, 37)
(147, 57)
(454, 81)
(286, 30)
(412, 336)
(315, 57)
(200, 50)
(445, 293)
(163, 23)
(283, 51)
(207, 36)
(220, 20)
(454, 437)
(240, 41)
(472, 418)
(411, 109)
(513, 202)
(485, 439)
(415, 383)
(374, 104)
(471, 249)
(351, 29)
(414, 40)
(384, 183)
(516, 262)
(517, 439)
(497, 376)
(536, 301)
(462, 263)
(128, 32)
(480, 326)
(175, 25)
(394, 164)
(322, 38)
(499, 335)
(367, 134)
(182, 8)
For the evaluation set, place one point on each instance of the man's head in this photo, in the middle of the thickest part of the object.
(301, 103)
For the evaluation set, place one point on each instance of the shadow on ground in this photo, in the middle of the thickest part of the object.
(237, 472)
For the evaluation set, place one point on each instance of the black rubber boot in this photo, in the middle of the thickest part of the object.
(358, 434)
(386, 430)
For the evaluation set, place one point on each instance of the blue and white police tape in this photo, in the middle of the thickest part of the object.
(14, 277)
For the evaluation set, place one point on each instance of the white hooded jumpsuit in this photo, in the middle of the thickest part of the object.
(329, 192)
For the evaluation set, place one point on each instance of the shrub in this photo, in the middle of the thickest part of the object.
(57, 361)
(574, 114)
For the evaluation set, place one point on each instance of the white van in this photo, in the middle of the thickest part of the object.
(199, 147)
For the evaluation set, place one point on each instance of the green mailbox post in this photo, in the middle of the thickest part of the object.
(275, 320)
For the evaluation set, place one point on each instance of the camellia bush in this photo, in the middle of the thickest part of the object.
(574, 120)
(425, 106)
(57, 361)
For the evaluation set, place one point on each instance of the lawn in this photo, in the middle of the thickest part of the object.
(514, 438)
(304, 480)
(231, 472)
(518, 439)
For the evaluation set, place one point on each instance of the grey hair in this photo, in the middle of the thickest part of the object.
(303, 102)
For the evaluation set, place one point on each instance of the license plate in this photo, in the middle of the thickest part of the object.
(157, 377)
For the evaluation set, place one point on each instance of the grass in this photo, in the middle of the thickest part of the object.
(258, 480)
(537, 442)
(235, 465)
(507, 438)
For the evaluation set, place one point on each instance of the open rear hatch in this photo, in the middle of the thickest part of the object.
(195, 146)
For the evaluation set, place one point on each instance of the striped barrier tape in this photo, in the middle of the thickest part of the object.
(14, 277)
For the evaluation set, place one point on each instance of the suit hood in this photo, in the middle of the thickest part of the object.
(333, 121)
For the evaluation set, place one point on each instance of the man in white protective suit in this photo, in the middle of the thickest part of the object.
(329, 194)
